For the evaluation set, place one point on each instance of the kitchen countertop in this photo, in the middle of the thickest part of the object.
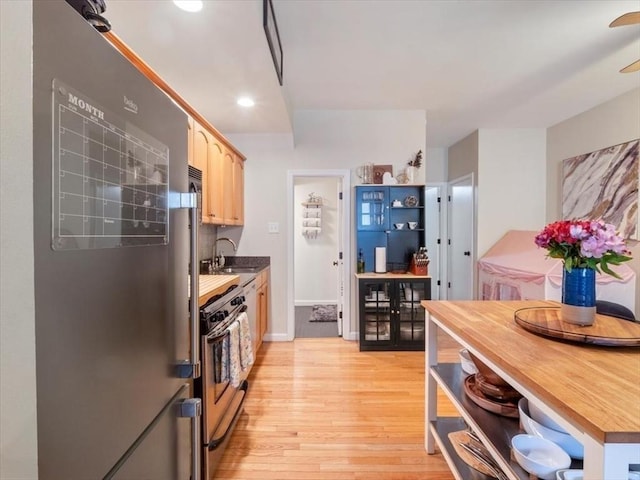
(210, 285)
(218, 283)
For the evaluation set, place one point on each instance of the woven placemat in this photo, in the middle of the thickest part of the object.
(459, 437)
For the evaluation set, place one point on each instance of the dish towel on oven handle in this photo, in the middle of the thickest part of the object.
(237, 350)
(246, 346)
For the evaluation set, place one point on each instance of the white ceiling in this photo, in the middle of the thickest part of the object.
(468, 63)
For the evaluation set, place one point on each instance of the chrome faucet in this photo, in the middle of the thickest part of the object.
(218, 260)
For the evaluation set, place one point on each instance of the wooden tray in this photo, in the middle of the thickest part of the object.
(606, 331)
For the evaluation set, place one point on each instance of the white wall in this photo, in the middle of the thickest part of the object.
(18, 430)
(610, 123)
(511, 178)
(323, 140)
(315, 276)
(435, 165)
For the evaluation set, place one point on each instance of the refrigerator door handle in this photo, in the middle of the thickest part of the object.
(192, 408)
(194, 272)
(191, 368)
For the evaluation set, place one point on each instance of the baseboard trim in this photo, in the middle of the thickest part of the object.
(311, 303)
(276, 337)
(283, 337)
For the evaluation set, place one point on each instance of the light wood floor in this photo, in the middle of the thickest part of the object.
(319, 409)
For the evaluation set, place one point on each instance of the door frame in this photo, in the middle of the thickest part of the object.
(345, 221)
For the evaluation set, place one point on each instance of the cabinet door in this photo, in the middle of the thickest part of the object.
(375, 314)
(201, 149)
(216, 212)
(227, 187)
(238, 190)
(263, 301)
(410, 324)
(190, 141)
(263, 306)
(372, 208)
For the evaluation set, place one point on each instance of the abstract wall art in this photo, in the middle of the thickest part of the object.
(603, 185)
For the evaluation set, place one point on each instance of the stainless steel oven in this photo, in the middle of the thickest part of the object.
(223, 384)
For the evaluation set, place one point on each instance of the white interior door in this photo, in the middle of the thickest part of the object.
(340, 258)
(433, 236)
(461, 230)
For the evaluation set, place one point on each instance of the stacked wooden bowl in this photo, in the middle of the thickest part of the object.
(490, 391)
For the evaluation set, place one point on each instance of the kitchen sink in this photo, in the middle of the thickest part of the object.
(224, 270)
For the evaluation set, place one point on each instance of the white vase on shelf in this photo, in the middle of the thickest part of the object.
(412, 173)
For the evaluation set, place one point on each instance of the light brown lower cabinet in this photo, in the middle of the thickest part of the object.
(263, 305)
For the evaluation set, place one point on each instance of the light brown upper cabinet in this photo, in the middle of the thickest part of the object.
(238, 189)
(233, 188)
(222, 177)
(200, 157)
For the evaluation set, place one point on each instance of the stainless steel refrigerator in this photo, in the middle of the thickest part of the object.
(114, 348)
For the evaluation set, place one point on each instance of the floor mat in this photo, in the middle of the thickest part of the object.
(324, 313)
(307, 329)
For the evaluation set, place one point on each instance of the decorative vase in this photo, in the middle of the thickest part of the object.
(411, 173)
(578, 296)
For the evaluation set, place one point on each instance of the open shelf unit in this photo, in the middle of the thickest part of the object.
(378, 209)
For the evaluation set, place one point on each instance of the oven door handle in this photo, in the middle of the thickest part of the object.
(217, 337)
(216, 442)
(219, 332)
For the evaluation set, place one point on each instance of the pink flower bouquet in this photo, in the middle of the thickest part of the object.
(584, 244)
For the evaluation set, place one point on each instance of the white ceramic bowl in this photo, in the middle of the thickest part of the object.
(564, 440)
(579, 475)
(466, 363)
(543, 419)
(539, 456)
(399, 226)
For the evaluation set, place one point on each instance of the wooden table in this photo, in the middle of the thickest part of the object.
(592, 391)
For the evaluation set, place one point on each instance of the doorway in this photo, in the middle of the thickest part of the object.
(461, 233)
(318, 217)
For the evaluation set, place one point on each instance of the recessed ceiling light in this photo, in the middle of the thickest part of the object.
(246, 102)
(189, 5)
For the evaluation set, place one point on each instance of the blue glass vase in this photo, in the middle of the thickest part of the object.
(578, 296)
